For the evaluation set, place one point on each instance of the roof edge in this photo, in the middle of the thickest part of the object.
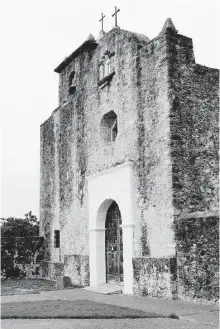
(86, 44)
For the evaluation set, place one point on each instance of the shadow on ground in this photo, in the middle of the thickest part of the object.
(78, 309)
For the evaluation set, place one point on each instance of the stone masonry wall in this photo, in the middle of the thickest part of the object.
(194, 96)
(62, 140)
(155, 92)
(76, 267)
(52, 270)
(194, 122)
(197, 237)
(22, 256)
(155, 277)
(154, 209)
(79, 65)
(47, 179)
(137, 94)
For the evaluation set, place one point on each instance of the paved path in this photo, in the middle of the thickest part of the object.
(102, 324)
(191, 315)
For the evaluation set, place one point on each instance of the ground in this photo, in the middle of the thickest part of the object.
(59, 308)
(101, 324)
(77, 309)
(190, 315)
(25, 286)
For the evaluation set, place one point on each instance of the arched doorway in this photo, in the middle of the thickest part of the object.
(113, 184)
(114, 245)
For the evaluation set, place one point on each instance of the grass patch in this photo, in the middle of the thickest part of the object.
(78, 309)
(25, 286)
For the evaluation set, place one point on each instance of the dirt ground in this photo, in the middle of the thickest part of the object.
(25, 286)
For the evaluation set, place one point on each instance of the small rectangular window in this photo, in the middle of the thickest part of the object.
(56, 239)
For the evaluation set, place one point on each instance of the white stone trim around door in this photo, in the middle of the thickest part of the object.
(105, 187)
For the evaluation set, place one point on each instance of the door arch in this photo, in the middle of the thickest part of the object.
(113, 245)
(103, 188)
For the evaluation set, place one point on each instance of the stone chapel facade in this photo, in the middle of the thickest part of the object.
(129, 167)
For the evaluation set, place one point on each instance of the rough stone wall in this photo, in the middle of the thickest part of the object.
(65, 203)
(138, 94)
(22, 256)
(47, 178)
(155, 277)
(79, 65)
(156, 91)
(52, 270)
(76, 267)
(197, 237)
(194, 129)
(63, 140)
(194, 99)
(153, 166)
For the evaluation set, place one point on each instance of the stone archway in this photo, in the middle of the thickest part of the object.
(114, 184)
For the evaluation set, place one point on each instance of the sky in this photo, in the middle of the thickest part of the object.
(36, 35)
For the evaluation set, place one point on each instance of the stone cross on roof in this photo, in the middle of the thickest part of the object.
(115, 14)
(102, 19)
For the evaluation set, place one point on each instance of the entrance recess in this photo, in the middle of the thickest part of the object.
(113, 245)
(107, 191)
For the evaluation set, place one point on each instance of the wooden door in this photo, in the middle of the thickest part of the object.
(114, 245)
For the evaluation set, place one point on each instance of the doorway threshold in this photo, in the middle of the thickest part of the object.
(106, 289)
(121, 284)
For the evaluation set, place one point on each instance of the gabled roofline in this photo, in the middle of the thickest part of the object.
(87, 44)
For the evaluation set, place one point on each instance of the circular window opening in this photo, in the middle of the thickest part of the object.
(109, 127)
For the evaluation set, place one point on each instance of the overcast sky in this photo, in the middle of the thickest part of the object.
(36, 35)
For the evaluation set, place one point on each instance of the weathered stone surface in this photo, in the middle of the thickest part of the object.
(52, 270)
(73, 148)
(194, 130)
(155, 277)
(22, 256)
(197, 240)
(167, 116)
(77, 267)
(168, 25)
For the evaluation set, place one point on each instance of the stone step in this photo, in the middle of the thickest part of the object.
(106, 289)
